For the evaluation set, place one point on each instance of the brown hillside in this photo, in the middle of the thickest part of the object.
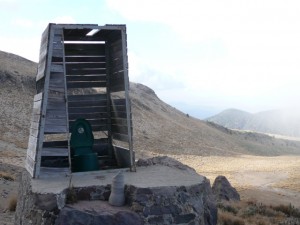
(158, 127)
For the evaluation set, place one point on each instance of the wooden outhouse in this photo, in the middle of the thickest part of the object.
(82, 74)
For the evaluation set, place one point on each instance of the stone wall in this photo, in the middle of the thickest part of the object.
(188, 204)
(33, 208)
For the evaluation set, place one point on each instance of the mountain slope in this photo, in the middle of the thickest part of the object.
(283, 122)
(157, 127)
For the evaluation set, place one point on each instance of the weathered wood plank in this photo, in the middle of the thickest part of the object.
(56, 88)
(93, 122)
(38, 97)
(117, 88)
(76, 66)
(57, 53)
(55, 129)
(57, 78)
(54, 122)
(85, 46)
(50, 171)
(120, 101)
(53, 115)
(85, 52)
(120, 137)
(87, 104)
(45, 98)
(94, 97)
(128, 104)
(87, 72)
(34, 125)
(57, 38)
(33, 132)
(35, 118)
(57, 45)
(119, 122)
(119, 129)
(53, 144)
(93, 116)
(59, 68)
(30, 165)
(75, 59)
(96, 84)
(117, 78)
(117, 62)
(117, 68)
(88, 110)
(56, 105)
(74, 37)
(118, 108)
(37, 105)
(55, 152)
(58, 31)
(32, 147)
(100, 128)
(86, 78)
(116, 43)
(119, 115)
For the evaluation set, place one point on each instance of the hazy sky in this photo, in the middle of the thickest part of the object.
(199, 56)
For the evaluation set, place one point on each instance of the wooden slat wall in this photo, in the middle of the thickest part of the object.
(117, 66)
(85, 65)
(43, 55)
(34, 130)
(119, 120)
(56, 119)
(93, 108)
(51, 103)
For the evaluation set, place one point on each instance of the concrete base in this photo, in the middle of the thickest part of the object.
(162, 191)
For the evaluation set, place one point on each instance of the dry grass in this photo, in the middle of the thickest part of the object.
(254, 213)
(12, 203)
(226, 218)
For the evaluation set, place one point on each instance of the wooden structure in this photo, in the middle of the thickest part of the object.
(82, 73)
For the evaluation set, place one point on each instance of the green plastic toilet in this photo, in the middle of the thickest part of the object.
(82, 140)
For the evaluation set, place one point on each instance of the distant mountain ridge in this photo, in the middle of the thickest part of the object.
(157, 126)
(284, 122)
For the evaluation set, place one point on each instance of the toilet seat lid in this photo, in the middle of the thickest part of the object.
(81, 134)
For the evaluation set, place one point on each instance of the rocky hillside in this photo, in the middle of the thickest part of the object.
(158, 127)
(283, 122)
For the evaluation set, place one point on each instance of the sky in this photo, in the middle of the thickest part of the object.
(199, 56)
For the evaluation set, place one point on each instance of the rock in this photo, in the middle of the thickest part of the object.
(192, 204)
(223, 190)
(70, 216)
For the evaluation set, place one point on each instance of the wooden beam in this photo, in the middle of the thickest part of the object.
(120, 137)
(55, 152)
(87, 84)
(79, 59)
(94, 97)
(90, 78)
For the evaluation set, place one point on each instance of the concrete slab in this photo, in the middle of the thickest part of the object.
(149, 176)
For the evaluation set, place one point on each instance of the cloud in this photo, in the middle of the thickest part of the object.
(256, 58)
(145, 73)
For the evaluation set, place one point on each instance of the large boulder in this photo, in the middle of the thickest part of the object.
(223, 190)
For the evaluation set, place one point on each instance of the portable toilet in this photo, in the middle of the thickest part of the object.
(82, 74)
